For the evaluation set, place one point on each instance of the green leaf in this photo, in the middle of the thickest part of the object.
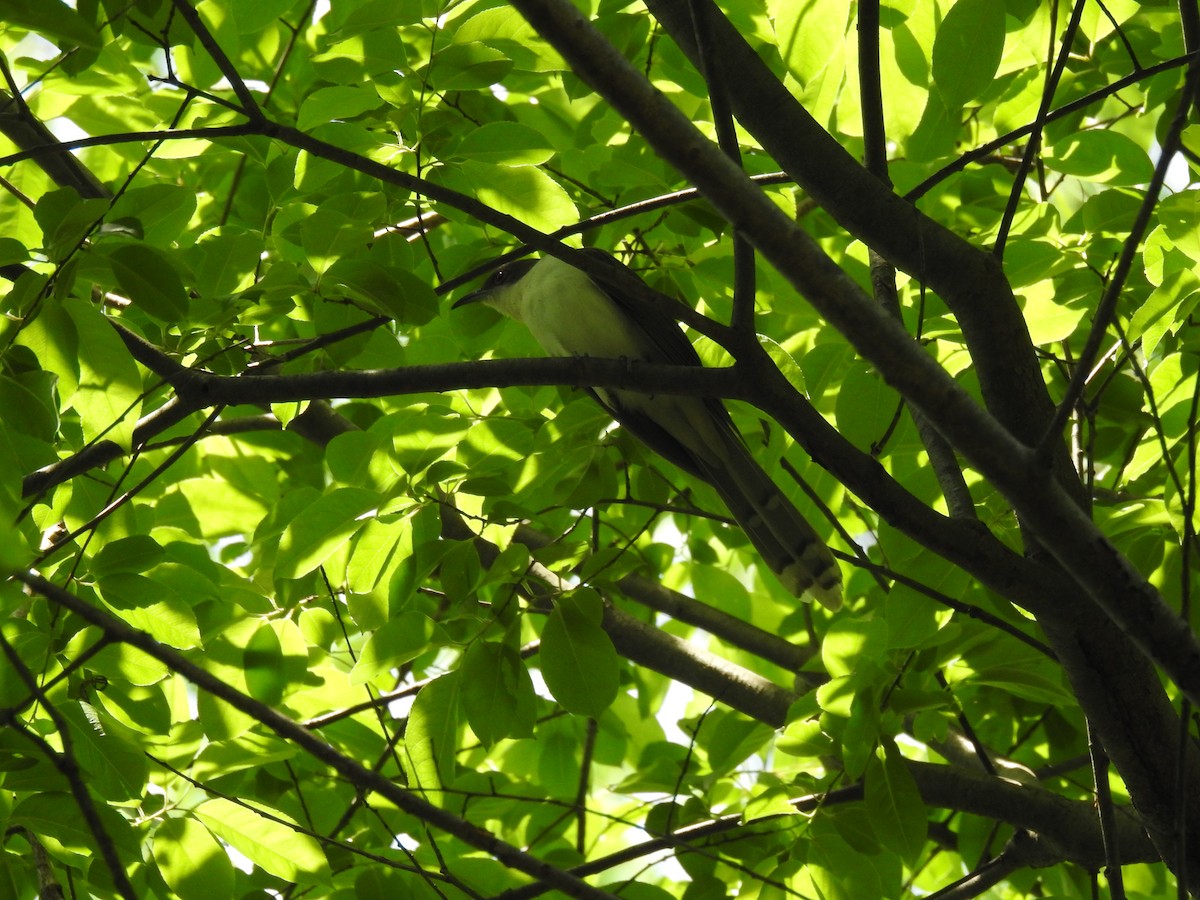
(52, 19)
(850, 642)
(353, 458)
(28, 407)
(109, 396)
(936, 131)
(392, 292)
(12, 251)
(220, 721)
(322, 528)
(805, 31)
(131, 664)
(254, 17)
(329, 234)
(55, 818)
(193, 864)
(467, 66)
(1022, 681)
(52, 337)
(1102, 156)
(400, 640)
(226, 262)
(894, 805)
(505, 144)
(263, 662)
(866, 407)
(423, 435)
(151, 282)
(967, 50)
(773, 801)
(373, 552)
(374, 15)
(116, 768)
(497, 694)
(578, 660)
(861, 731)
(733, 740)
(152, 606)
(268, 838)
(162, 210)
(839, 872)
(505, 29)
(1163, 301)
(526, 193)
(805, 740)
(431, 736)
(336, 104)
(136, 553)
(65, 218)
(853, 824)
(30, 646)
(1111, 211)
(1050, 320)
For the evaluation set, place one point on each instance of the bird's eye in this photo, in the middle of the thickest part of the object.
(496, 279)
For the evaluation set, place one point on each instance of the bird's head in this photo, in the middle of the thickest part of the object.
(502, 288)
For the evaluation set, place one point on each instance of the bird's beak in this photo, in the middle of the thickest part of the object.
(473, 297)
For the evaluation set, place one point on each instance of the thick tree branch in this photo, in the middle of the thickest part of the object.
(883, 274)
(1037, 496)
(1069, 826)
(720, 624)
(966, 277)
(1062, 828)
(1038, 588)
(653, 648)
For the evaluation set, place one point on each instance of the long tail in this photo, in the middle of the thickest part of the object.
(785, 541)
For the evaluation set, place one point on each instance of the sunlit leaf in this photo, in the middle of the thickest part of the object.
(322, 528)
(109, 394)
(506, 144)
(52, 18)
(192, 862)
(894, 805)
(497, 694)
(578, 660)
(267, 837)
(400, 640)
(967, 50)
(429, 739)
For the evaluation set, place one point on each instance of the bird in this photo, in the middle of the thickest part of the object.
(571, 314)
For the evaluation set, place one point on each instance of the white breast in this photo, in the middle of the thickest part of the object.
(569, 316)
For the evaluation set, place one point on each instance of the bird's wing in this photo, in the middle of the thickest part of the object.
(671, 347)
(660, 328)
(716, 453)
(666, 345)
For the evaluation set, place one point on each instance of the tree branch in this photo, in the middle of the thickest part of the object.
(653, 648)
(474, 836)
(1038, 497)
(966, 277)
(1069, 829)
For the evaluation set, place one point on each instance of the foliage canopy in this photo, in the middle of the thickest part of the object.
(321, 590)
